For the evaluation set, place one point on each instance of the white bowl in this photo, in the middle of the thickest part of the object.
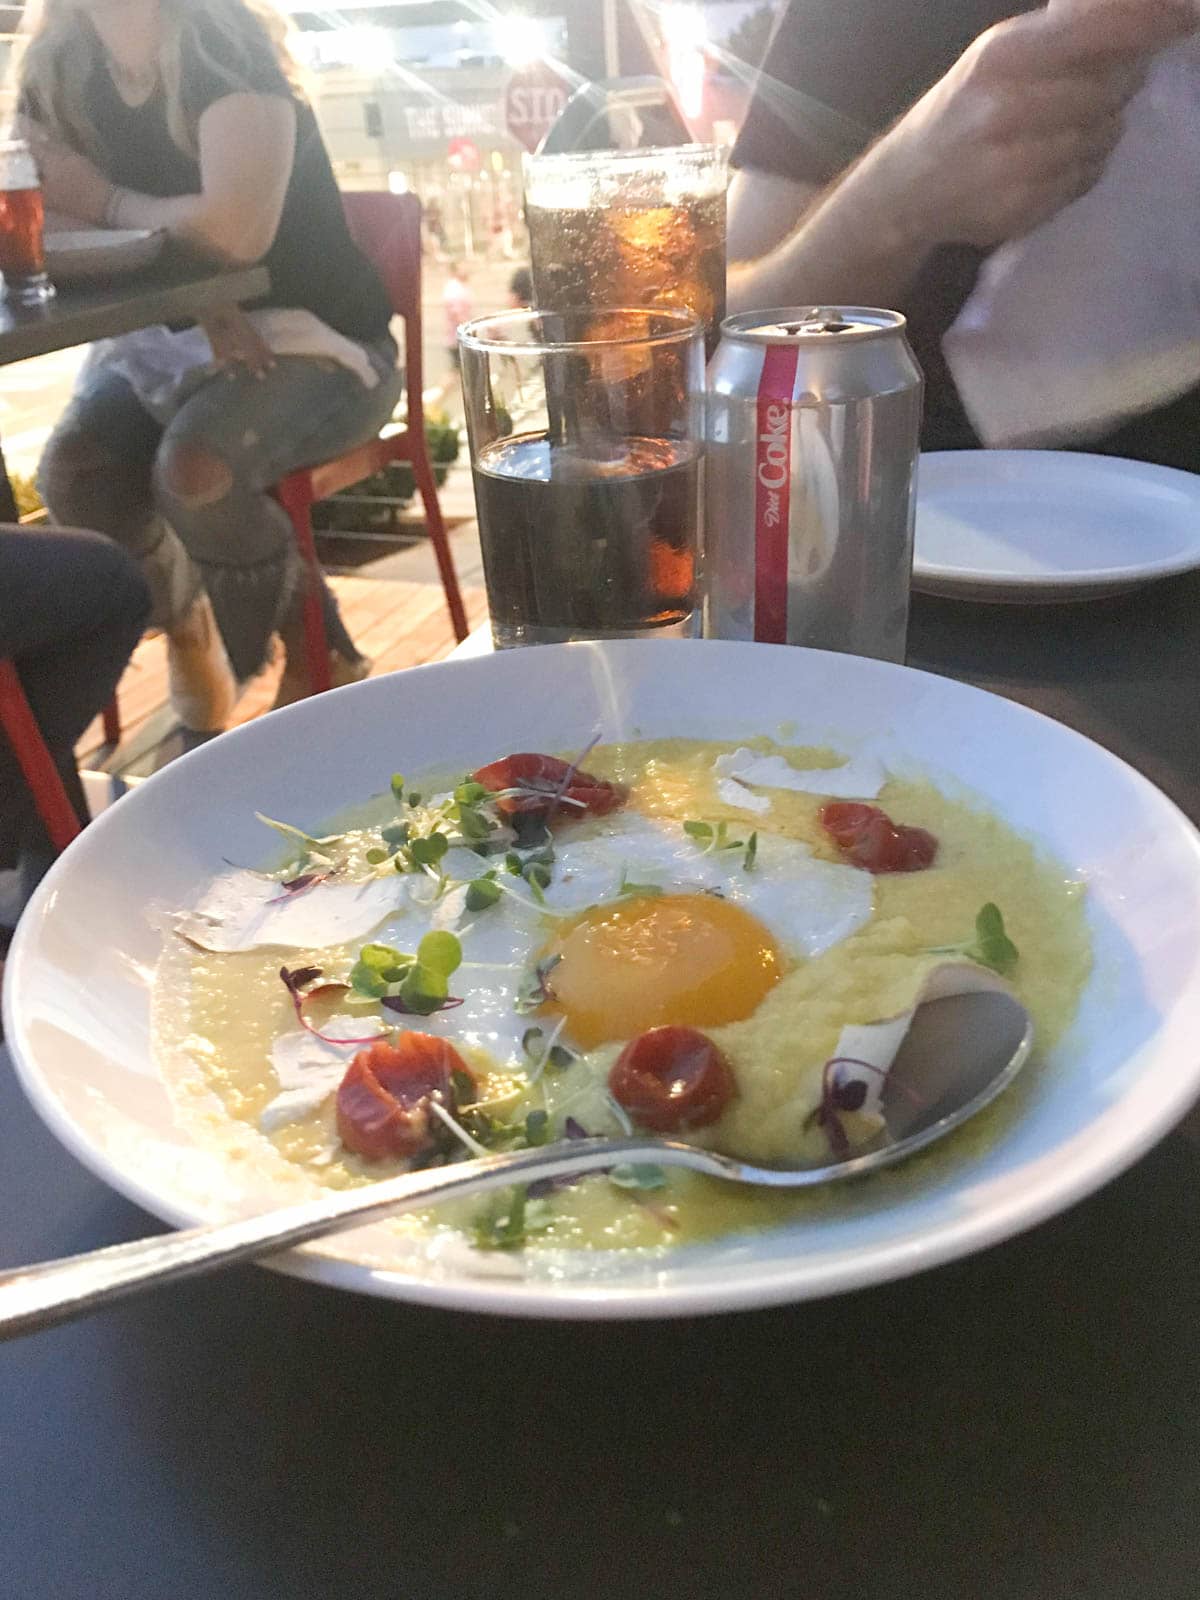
(78, 990)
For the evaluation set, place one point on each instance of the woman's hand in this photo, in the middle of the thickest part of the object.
(1022, 124)
(70, 182)
(237, 343)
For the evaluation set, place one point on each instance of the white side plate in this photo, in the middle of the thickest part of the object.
(1045, 525)
(101, 253)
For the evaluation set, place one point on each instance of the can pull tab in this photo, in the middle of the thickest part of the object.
(819, 322)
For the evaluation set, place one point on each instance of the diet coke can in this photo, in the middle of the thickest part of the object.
(814, 419)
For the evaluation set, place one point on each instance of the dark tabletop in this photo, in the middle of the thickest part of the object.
(1023, 1425)
(176, 291)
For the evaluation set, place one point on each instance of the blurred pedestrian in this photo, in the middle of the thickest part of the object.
(520, 289)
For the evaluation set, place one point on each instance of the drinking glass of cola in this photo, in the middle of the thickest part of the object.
(629, 228)
(22, 252)
(586, 435)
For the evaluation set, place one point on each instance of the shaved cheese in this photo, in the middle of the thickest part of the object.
(879, 1043)
(732, 793)
(309, 1069)
(242, 911)
(860, 778)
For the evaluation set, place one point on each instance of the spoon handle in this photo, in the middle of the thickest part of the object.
(40, 1296)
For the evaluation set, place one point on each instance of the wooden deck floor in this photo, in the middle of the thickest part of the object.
(395, 611)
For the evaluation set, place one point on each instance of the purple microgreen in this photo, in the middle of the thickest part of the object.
(575, 1130)
(535, 990)
(291, 886)
(296, 981)
(847, 1095)
(396, 1003)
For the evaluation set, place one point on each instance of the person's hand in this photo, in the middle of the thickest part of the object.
(71, 184)
(1023, 123)
(237, 343)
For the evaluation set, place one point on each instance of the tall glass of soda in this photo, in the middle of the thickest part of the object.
(586, 432)
(630, 228)
(22, 251)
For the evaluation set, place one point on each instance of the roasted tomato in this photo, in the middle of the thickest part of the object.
(383, 1101)
(543, 777)
(672, 1078)
(868, 838)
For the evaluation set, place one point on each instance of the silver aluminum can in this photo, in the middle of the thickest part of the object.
(813, 428)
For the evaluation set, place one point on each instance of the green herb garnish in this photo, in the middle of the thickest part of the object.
(713, 837)
(991, 946)
(398, 788)
(482, 892)
(751, 852)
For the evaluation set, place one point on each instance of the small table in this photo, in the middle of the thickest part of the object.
(81, 314)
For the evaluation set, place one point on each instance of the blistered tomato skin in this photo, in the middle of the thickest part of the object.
(670, 1079)
(383, 1101)
(868, 838)
(545, 775)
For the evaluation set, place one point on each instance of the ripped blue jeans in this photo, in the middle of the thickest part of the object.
(189, 500)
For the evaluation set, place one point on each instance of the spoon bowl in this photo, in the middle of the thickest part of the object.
(960, 1052)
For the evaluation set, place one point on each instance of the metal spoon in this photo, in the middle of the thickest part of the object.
(959, 1054)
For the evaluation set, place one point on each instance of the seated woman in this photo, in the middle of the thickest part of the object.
(72, 608)
(186, 115)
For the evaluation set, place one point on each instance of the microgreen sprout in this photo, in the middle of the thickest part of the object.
(482, 892)
(296, 981)
(398, 788)
(535, 990)
(457, 1129)
(542, 1052)
(715, 836)
(751, 853)
(839, 1094)
(628, 887)
(293, 886)
(418, 985)
(309, 845)
(991, 946)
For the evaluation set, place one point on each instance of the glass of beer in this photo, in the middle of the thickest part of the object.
(22, 252)
(630, 228)
(586, 434)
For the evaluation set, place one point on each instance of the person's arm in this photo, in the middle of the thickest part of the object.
(247, 147)
(1023, 123)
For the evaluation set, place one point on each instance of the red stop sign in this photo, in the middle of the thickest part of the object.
(533, 103)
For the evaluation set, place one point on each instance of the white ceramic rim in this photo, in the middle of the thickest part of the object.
(1052, 1191)
(971, 583)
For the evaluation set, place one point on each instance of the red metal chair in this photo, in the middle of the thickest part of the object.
(35, 761)
(387, 228)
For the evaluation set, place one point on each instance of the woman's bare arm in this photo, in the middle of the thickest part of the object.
(247, 147)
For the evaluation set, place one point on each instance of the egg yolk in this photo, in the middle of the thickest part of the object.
(653, 960)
